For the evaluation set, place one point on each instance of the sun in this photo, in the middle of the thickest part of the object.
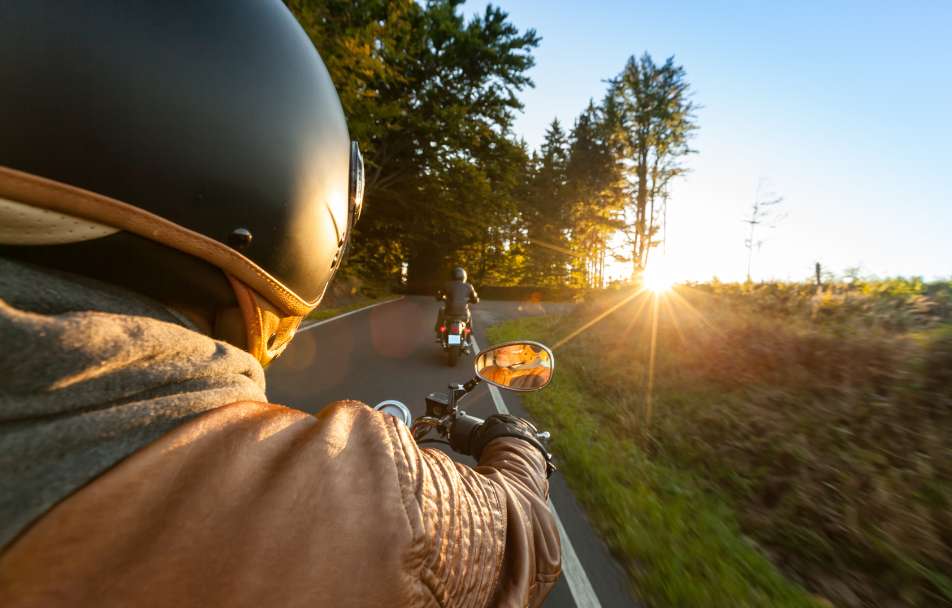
(656, 279)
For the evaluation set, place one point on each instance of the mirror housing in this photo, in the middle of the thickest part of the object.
(520, 365)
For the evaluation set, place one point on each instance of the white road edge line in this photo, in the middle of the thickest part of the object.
(581, 588)
(346, 314)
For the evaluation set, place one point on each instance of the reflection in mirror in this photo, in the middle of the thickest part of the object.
(519, 366)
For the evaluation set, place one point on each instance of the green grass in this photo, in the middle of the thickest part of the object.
(791, 440)
(678, 539)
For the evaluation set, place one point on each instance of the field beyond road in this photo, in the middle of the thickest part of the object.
(779, 448)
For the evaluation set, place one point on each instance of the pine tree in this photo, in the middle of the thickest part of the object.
(546, 212)
(596, 195)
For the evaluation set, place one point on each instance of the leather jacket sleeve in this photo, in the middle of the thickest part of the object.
(254, 504)
(513, 473)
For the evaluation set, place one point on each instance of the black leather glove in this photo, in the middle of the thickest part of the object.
(469, 437)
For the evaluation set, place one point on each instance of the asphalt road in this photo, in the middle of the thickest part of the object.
(388, 352)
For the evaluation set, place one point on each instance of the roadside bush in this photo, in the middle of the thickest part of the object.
(827, 420)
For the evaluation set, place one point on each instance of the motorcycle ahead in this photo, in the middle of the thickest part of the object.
(455, 333)
(454, 337)
(503, 366)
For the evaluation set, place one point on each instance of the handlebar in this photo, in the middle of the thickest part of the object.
(444, 416)
(461, 431)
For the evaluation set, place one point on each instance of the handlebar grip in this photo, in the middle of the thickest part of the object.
(461, 433)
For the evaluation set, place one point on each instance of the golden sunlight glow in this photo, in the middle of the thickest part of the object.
(657, 279)
(643, 306)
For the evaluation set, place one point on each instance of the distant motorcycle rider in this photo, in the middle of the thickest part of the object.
(178, 187)
(457, 295)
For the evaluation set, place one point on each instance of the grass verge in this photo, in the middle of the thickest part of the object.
(358, 302)
(678, 539)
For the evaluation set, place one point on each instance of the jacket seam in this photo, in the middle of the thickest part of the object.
(393, 436)
(502, 509)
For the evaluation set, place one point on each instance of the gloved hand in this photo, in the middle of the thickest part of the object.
(468, 436)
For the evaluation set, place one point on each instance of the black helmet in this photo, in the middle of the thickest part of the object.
(184, 139)
(459, 274)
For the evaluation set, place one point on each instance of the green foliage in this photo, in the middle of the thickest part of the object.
(545, 212)
(611, 175)
(430, 96)
(656, 119)
(823, 420)
(596, 191)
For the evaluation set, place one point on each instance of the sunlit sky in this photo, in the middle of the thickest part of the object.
(844, 108)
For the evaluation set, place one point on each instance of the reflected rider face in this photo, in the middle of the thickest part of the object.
(509, 355)
(515, 366)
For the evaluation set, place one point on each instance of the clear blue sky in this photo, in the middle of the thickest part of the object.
(843, 106)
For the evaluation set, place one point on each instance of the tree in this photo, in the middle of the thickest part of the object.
(491, 244)
(596, 194)
(545, 212)
(762, 211)
(430, 97)
(656, 117)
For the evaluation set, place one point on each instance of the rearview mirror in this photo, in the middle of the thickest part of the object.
(518, 366)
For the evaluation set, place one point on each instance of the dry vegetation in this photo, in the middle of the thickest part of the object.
(824, 421)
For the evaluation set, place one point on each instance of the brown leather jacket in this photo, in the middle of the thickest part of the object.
(253, 504)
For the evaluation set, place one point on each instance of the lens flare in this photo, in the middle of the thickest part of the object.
(656, 279)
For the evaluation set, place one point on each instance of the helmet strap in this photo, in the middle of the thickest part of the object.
(268, 329)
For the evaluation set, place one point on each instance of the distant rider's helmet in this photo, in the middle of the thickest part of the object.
(459, 274)
(196, 152)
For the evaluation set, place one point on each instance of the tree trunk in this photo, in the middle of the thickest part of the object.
(641, 208)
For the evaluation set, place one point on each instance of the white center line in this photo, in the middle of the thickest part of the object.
(581, 588)
(346, 314)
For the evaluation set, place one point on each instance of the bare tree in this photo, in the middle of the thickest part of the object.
(764, 212)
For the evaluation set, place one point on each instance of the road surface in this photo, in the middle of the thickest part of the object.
(387, 352)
